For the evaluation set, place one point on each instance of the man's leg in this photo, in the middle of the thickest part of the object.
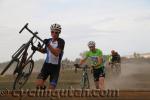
(101, 83)
(96, 77)
(40, 84)
(99, 76)
(52, 84)
(54, 76)
(42, 77)
(97, 84)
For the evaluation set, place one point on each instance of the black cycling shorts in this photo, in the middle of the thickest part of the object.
(98, 73)
(51, 70)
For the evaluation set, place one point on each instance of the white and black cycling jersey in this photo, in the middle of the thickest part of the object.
(51, 58)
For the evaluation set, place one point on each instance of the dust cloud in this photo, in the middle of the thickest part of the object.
(134, 75)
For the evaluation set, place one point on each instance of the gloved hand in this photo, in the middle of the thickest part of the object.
(39, 45)
(34, 48)
(46, 42)
(77, 65)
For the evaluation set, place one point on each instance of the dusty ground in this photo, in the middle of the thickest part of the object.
(133, 83)
(135, 75)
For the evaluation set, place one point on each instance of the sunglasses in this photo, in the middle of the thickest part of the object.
(91, 46)
(55, 32)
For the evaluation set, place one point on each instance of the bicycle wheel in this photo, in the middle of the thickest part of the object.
(23, 75)
(85, 84)
(113, 70)
(118, 69)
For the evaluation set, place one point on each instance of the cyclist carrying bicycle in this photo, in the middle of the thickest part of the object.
(96, 59)
(54, 49)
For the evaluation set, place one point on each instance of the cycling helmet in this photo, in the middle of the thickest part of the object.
(55, 27)
(91, 43)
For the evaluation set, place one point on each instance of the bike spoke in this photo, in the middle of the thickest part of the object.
(23, 76)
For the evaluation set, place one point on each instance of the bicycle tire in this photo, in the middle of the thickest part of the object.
(82, 83)
(85, 84)
(23, 76)
(119, 69)
(116, 70)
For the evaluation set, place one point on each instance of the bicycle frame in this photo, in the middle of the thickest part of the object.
(23, 49)
(115, 68)
(115, 64)
(84, 69)
(85, 79)
(24, 61)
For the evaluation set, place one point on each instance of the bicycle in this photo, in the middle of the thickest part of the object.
(115, 68)
(84, 83)
(25, 63)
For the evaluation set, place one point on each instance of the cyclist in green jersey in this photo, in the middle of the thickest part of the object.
(96, 59)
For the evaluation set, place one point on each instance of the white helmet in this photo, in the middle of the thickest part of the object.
(91, 43)
(55, 27)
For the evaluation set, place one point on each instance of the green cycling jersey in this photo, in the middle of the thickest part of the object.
(94, 57)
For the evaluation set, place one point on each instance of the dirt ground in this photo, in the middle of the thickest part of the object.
(134, 75)
(133, 83)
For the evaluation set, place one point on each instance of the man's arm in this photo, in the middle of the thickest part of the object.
(100, 60)
(110, 59)
(57, 51)
(42, 50)
(82, 61)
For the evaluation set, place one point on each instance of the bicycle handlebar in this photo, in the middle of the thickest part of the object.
(78, 66)
(26, 25)
(33, 33)
(83, 68)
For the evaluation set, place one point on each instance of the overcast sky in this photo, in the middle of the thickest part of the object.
(123, 25)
